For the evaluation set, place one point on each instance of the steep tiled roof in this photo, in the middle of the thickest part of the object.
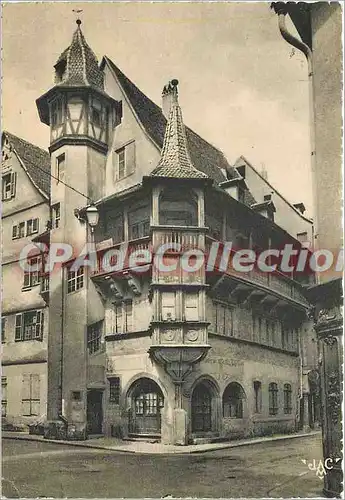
(36, 161)
(81, 65)
(175, 160)
(205, 157)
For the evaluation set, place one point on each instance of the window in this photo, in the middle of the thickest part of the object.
(9, 186)
(32, 278)
(60, 167)
(3, 327)
(222, 318)
(139, 222)
(128, 310)
(21, 229)
(94, 335)
(273, 398)
(31, 395)
(29, 326)
(32, 226)
(122, 163)
(302, 237)
(3, 396)
(118, 318)
(125, 161)
(191, 310)
(233, 401)
(75, 280)
(287, 399)
(76, 395)
(168, 306)
(114, 390)
(55, 215)
(257, 396)
(178, 208)
(114, 226)
(56, 113)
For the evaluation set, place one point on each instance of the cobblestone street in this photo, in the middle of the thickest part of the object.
(272, 469)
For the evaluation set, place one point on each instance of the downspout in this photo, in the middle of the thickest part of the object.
(281, 10)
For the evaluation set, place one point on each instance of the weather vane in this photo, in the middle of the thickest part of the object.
(77, 12)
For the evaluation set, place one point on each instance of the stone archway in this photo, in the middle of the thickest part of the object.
(204, 408)
(146, 401)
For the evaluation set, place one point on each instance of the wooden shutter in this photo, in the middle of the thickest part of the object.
(35, 394)
(26, 394)
(35, 225)
(130, 158)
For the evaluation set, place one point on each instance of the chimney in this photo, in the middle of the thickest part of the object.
(169, 96)
(264, 172)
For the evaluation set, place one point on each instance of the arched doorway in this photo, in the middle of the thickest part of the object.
(202, 408)
(146, 401)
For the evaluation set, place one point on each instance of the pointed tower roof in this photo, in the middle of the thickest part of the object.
(78, 65)
(175, 161)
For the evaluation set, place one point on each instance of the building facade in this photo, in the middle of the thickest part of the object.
(153, 341)
(319, 27)
(24, 321)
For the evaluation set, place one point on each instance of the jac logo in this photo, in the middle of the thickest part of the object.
(321, 467)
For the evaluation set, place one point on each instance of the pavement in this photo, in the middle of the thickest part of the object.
(269, 469)
(153, 448)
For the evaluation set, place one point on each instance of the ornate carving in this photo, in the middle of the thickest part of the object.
(192, 335)
(168, 335)
(334, 397)
(330, 339)
(326, 315)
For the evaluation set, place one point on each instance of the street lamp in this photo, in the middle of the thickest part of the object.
(92, 216)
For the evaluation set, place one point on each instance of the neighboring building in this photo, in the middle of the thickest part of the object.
(181, 355)
(319, 26)
(24, 322)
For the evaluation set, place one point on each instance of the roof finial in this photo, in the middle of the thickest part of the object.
(77, 12)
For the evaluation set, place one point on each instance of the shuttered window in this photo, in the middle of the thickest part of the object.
(9, 186)
(31, 395)
(29, 326)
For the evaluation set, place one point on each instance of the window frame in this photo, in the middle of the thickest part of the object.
(114, 390)
(257, 387)
(30, 226)
(273, 404)
(9, 181)
(75, 280)
(4, 385)
(287, 399)
(20, 323)
(60, 172)
(3, 329)
(94, 337)
(55, 215)
(32, 278)
(121, 163)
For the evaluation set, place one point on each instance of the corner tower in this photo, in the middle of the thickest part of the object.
(81, 117)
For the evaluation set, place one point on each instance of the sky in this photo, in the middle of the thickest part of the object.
(242, 87)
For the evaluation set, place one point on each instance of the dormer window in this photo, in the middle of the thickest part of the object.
(60, 69)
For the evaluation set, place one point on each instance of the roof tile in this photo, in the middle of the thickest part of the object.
(35, 160)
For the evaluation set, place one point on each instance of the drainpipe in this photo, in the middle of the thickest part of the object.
(281, 9)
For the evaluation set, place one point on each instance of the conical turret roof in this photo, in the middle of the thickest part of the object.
(78, 65)
(175, 160)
